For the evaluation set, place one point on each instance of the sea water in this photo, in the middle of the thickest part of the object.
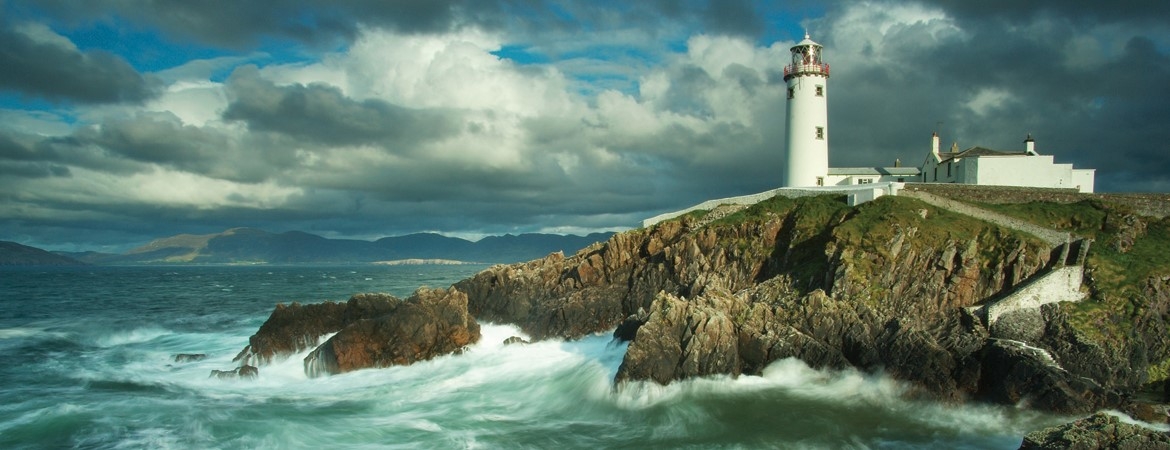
(88, 362)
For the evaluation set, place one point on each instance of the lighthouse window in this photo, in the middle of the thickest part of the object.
(820, 132)
(791, 92)
(820, 91)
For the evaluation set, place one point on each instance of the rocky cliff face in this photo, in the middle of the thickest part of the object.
(883, 286)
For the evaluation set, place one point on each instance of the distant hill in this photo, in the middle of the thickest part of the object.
(13, 254)
(249, 245)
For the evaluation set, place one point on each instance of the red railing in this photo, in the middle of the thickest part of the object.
(793, 69)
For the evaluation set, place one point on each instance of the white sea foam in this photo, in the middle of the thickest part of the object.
(538, 395)
(1125, 418)
(135, 336)
(29, 333)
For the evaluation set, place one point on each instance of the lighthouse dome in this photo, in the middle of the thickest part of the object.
(807, 42)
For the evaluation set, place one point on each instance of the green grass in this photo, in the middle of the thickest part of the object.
(760, 211)
(1117, 278)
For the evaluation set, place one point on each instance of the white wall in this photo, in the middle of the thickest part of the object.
(1036, 171)
(1084, 179)
(807, 157)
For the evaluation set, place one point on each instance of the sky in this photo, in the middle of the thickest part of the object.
(122, 121)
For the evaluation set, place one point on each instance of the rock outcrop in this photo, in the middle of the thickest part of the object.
(1097, 431)
(371, 330)
(244, 372)
(889, 286)
(189, 357)
(294, 328)
(428, 324)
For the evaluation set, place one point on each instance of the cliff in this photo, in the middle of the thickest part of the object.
(890, 285)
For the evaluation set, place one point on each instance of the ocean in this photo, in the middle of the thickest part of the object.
(89, 363)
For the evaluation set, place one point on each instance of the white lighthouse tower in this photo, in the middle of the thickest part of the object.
(806, 128)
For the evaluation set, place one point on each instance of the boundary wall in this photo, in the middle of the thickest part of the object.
(857, 194)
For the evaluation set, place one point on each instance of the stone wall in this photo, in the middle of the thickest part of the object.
(1059, 285)
(1052, 237)
(868, 192)
(1147, 204)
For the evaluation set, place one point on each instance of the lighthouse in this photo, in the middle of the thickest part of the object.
(806, 128)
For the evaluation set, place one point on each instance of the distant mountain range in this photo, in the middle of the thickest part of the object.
(13, 254)
(249, 245)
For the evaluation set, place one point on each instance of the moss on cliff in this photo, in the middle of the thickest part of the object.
(1130, 256)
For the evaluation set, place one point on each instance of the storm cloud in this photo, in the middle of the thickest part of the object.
(367, 118)
(39, 63)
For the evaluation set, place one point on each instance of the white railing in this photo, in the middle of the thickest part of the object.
(792, 69)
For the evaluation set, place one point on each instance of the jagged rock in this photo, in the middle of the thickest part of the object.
(1094, 432)
(628, 329)
(1030, 375)
(1147, 412)
(1127, 228)
(243, 372)
(248, 372)
(684, 339)
(295, 328)
(515, 340)
(428, 324)
(189, 357)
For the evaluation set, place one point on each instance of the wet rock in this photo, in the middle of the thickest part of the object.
(248, 372)
(1097, 431)
(628, 329)
(684, 339)
(189, 357)
(294, 328)
(515, 340)
(428, 324)
(242, 372)
(1146, 412)
(1019, 373)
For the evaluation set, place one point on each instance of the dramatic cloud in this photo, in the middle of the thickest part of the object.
(40, 63)
(370, 118)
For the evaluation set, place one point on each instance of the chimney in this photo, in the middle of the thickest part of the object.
(934, 143)
(1030, 145)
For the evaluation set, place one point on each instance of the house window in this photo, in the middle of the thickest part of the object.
(820, 91)
(948, 170)
(791, 92)
(901, 180)
(820, 181)
(820, 132)
(864, 180)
